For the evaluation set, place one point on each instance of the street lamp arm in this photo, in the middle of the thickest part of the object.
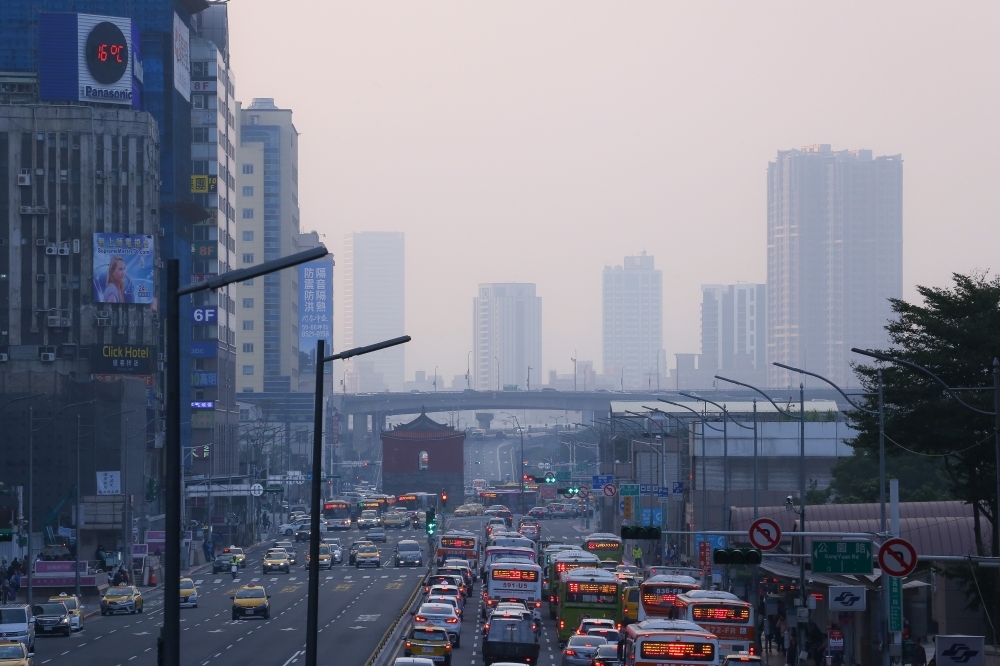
(913, 366)
(25, 397)
(766, 396)
(360, 351)
(821, 377)
(241, 274)
(693, 411)
(724, 410)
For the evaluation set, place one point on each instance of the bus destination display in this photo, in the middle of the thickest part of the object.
(451, 542)
(678, 650)
(515, 574)
(721, 613)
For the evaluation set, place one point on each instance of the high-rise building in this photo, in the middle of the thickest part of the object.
(374, 307)
(507, 336)
(267, 211)
(633, 323)
(834, 257)
(733, 331)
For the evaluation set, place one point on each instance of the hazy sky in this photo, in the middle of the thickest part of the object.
(540, 141)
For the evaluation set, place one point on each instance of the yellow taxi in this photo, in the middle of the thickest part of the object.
(429, 642)
(276, 559)
(477, 507)
(121, 599)
(251, 601)
(14, 654)
(241, 557)
(630, 605)
(394, 519)
(189, 593)
(465, 510)
(325, 559)
(74, 607)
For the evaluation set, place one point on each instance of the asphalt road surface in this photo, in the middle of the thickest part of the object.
(356, 608)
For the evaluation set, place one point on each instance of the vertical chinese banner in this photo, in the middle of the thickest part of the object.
(315, 305)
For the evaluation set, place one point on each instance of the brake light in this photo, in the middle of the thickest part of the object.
(420, 618)
(408, 645)
(570, 653)
(562, 624)
(427, 588)
(447, 648)
(452, 620)
(753, 649)
(538, 604)
(552, 598)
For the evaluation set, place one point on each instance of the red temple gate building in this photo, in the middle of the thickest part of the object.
(424, 456)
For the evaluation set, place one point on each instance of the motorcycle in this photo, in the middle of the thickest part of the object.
(234, 569)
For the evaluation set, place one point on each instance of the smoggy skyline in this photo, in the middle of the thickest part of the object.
(539, 143)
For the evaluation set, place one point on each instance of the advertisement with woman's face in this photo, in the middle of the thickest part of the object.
(124, 268)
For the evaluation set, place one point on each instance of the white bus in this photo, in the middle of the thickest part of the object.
(513, 581)
(724, 614)
(674, 642)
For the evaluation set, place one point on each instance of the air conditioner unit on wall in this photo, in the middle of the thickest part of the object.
(51, 249)
(27, 210)
(48, 357)
(64, 250)
(41, 210)
(40, 277)
(40, 242)
(103, 314)
(3, 357)
(103, 321)
(57, 322)
(24, 178)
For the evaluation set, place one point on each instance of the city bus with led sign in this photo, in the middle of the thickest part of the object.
(459, 545)
(658, 593)
(605, 546)
(513, 581)
(337, 514)
(562, 563)
(727, 616)
(674, 642)
(590, 593)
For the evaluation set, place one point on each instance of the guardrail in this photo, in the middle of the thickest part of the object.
(388, 636)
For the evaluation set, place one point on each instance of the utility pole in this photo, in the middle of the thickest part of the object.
(574, 370)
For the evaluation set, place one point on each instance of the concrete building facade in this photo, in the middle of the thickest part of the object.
(632, 298)
(834, 257)
(733, 331)
(507, 336)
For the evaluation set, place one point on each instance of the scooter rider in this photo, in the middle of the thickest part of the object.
(234, 565)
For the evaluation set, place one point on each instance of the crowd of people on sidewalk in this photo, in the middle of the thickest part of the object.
(11, 576)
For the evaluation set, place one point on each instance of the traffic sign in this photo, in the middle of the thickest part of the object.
(629, 489)
(848, 598)
(601, 480)
(584, 491)
(895, 604)
(256, 490)
(842, 557)
(897, 557)
(610, 490)
(550, 475)
(765, 534)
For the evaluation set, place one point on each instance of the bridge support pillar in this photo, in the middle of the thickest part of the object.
(587, 417)
(483, 419)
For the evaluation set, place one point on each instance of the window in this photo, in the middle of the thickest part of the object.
(248, 257)
(248, 324)
(247, 349)
(248, 283)
(197, 101)
(248, 213)
(255, 120)
(423, 461)
(248, 389)
(199, 134)
(247, 192)
(247, 369)
(247, 168)
(247, 303)
(247, 236)
(199, 69)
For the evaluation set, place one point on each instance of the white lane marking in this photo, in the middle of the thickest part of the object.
(216, 581)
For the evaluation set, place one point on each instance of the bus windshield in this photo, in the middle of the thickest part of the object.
(336, 510)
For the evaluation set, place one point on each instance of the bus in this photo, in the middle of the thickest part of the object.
(506, 554)
(479, 485)
(513, 581)
(677, 642)
(368, 504)
(657, 595)
(337, 514)
(724, 614)
(414, 502)
(605, 546)
(459, 544)
(588, 593)
(562, 563)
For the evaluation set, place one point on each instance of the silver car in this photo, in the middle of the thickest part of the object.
(442, 616)
(579, 650)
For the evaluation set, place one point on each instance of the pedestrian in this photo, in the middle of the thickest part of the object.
(791, 658)
(766, 633)
(5, 591)
(15, 584)
(786, 640)
(637, 556)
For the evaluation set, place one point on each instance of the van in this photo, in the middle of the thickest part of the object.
(16, 624)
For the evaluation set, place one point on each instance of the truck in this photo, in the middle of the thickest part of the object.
(510, 637)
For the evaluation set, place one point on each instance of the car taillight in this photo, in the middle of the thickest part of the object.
(753, 649)
(538, 604)
(426, 589)
(562, 624)
(408, 645)
(452, 620)
(570, 653)
(420, 618)
(552, 598)
(447, 648)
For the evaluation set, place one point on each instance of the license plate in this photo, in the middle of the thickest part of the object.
(250, 612)
(46, 628)
(427, 650)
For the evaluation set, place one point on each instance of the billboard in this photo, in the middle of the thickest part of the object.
(315, 304)
(182, 58)
(122, 359)
(88, 58)
(124, 268)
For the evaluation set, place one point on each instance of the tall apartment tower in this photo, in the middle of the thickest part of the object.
(374, 307)
(733, 333)
(834, 257)
(267, 210)
(214, 412)
(507, 336)
(633, 323)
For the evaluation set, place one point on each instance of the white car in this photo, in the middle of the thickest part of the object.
(442, 616)
(288, 529)
(444, 599)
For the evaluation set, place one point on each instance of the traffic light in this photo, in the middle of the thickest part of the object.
(431, 523)
(444, 498)
(638, 533)
(150, 490)
(736, 556)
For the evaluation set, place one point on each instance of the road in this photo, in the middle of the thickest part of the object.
(491, 459)
(356, 608)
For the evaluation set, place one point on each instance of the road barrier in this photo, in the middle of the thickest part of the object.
(389, 637)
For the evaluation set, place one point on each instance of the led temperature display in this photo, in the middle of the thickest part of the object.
(107, 53)
(721, 613)
(515, 574)
(677, 650)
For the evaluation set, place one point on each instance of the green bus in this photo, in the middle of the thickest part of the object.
(562, 563)
(605, 546)
(589, 593)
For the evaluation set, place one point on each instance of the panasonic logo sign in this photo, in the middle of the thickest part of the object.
(90, 92)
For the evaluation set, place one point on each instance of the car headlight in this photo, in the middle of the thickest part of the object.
(65, 620)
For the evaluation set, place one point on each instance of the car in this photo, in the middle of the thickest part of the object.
(464, 511)
(395, 519)
(189, 593)
(288, 529)
(408, 554)
(530, 531)
(588, 623)
(13, 653)
(325, 558)
(442, 616)
(606, 655)
(293, 552)
(221, 564)
(241, 557)
(336, 550)
(447, 591)
(579, 650)
(445, 599)
(52, 617)
(742, 659)
(507, 516)
(121, 599)
(353, 551)
(368, 519)
(455, 580)
(610, 635)
(16, 624)
(305, 531)
(377, 534)
(538, 512)
(460, 567)
(276, 559)
(490, 512)
(429, 642)
(368, 555)
(251, 601)
(74, 607)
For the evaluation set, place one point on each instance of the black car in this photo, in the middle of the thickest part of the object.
(52, 618)
(538, 513)
(221, 564)
(606, 655)
(408, 554)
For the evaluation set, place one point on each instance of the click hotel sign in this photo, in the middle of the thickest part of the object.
(122, 359)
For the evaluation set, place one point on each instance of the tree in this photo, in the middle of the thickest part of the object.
(855, 479)
(261, 436)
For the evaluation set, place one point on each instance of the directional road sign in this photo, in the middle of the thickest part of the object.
(842, 557)
(765, 534)
(601, 480)
(610, 490)
(256, 490)
(897, 557)
(629, 489)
